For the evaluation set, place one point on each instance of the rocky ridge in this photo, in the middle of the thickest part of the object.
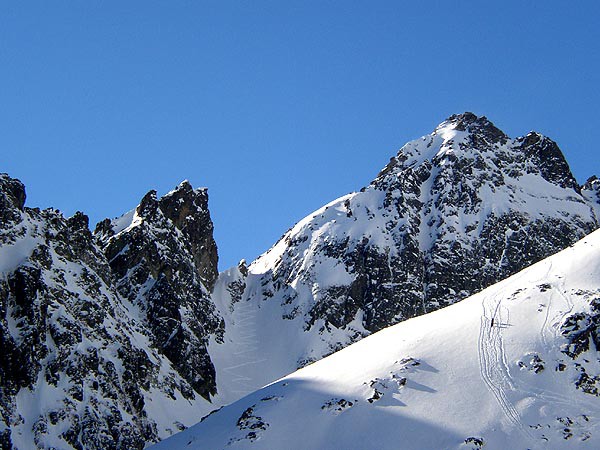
(86, 360)
(164, 260)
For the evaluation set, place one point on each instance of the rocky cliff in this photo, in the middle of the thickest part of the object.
(103, 339)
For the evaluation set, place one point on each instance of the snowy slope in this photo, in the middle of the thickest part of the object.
(454, 212)
(515, 366)
(259, 345)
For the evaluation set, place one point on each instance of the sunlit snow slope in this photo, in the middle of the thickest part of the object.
(513, 367)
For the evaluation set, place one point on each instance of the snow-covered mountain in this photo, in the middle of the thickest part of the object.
(514, 366)
(164, 259)
(122, 337)
(454, 212)
(83, 360)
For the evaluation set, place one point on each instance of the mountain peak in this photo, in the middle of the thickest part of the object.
(13, 192)
(184, 202)
(459, 136)
(472, 124)
(467, 142)
(465, 118)
(184, 209)
(185, 187)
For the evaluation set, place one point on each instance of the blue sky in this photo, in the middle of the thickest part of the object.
(276, 106)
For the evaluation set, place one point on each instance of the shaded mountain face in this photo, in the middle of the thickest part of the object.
(514, 366)
(452, 213)
(90, 358)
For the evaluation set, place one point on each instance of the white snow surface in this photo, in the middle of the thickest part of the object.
(437, 380)
(260, 346)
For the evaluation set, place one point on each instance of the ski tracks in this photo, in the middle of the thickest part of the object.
(492, 360)
(551, 325)
(544, 329)
(554, 316)
(246, 351)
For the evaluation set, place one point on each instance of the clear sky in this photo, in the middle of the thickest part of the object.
(276, 106)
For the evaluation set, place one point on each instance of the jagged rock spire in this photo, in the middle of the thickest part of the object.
(165, 258)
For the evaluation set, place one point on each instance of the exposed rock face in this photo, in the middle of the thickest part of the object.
(12, 200)
(454, 212)
(81, 365)
(582, 331)
(473, 203)
(591, 191)
(164, 258)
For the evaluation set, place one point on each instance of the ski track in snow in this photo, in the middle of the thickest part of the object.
(552, 326)
(248, 349)
(492, 362)
(545, 327)
(561, 290)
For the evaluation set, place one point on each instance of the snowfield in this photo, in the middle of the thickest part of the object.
(497, 370)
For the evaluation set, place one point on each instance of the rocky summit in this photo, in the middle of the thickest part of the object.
(164, 260)
(124, 336)
(104, 337)
(452, 213)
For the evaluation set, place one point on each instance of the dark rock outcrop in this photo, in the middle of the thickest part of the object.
(58, 322)
(165, 261)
